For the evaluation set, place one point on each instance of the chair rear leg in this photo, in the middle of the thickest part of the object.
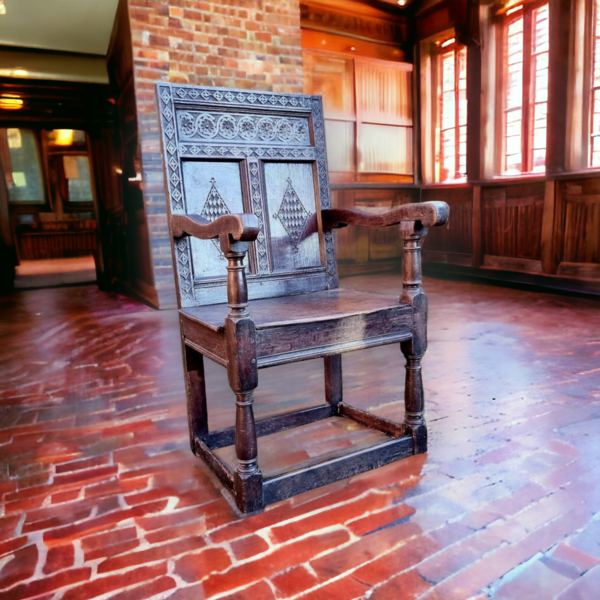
(196, 396)
(333, 381)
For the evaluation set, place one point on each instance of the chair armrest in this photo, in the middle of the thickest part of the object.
(241, 227)
(429, 214)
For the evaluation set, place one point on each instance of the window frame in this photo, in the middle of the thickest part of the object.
(456, 47)
(76, 150)
(525, 10)
(592, 10)
(43, 205)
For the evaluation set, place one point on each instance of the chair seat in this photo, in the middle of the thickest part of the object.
(305, 326)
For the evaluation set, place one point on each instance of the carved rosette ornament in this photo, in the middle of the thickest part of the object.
(292, 131)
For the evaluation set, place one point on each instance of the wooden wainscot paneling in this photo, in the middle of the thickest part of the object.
(360, 248)
(578, 228)
(58, 240)
(512, 226)
(452, 244)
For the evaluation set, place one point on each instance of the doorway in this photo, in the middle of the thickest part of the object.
(52, 205)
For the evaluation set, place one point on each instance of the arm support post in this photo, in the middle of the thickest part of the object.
(414, 219)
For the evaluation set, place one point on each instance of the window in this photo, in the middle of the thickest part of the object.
(22, 168)
(453, 111)
(368, 115)
(63, 178)
(595, 99)
(69, 166)
(443, 123)
(77, 173)
(525, 89)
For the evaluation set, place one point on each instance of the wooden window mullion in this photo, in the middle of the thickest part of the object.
(594, 88)
(526, 129)
(456, 113)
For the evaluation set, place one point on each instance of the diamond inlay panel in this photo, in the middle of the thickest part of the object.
(292, 214)
(212, 189)
(290, 193)
(214, 207)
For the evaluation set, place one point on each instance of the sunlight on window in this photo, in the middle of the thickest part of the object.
(514, 97)
(539, 110)
(22, 167)
(14, 138)
(453, 134)
(595, 150)
(19, 179)
(526, 91)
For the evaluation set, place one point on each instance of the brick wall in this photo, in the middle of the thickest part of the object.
(231, 43)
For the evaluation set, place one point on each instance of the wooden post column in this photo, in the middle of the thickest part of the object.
(243, 376)
(414, 349)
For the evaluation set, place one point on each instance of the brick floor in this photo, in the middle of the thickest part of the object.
(101, 497)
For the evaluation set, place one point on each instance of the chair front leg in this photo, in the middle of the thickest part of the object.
(414, 349)
(243, 378)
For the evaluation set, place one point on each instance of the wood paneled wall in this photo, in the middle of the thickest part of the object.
(576, 241)
(512, 220)
(362, 249)
(454, 242)
(58, 244)
(548, 228)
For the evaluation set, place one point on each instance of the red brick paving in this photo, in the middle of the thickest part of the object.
(101, 497)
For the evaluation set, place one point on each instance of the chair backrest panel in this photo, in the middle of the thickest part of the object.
(232, 151)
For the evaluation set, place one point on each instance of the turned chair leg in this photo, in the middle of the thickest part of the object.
(247, 477)
(242, 371)
(414, 349)
(414, 399)
(333, 381)
(196, 396)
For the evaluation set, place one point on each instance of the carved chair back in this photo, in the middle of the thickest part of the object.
(248, 152)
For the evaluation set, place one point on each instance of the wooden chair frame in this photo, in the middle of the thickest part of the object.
(237, 343)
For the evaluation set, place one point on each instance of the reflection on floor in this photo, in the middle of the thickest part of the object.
(53, 272)
(102, 497)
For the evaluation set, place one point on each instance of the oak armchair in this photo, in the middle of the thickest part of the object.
(247, 180)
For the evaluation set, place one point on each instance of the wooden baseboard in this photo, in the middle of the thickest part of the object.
(448, 258)
(514, 279)
(506, 263)
(585, 271)
(347, 269)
